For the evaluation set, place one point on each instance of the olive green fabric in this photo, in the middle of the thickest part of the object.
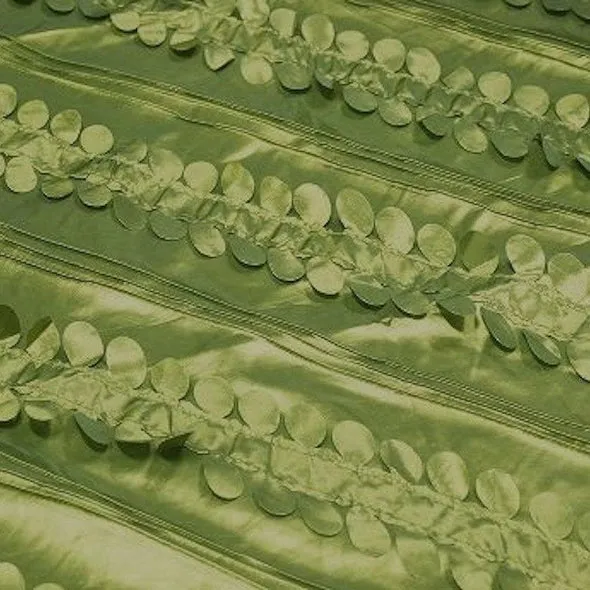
(294, 294)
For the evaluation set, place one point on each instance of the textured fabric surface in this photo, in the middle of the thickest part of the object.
(294, 294)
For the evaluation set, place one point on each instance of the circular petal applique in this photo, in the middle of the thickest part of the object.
(395, 229)
(166, 227)
(9, 406)
(57, 188)
(359, 98)
(578, 354)
(247, 252)
(532, 99)
(499, 329)
(126, 359)
(568, 275)
(368, 290)
(92, 9)
(217, 57)
(496, 86)
(318, 31)
(401, 272)
(391, 53)
(274, 498)
(166, 165)
(419, 556)
(401, 457)
(41, 411)
(176, 200)
(437, 244)
(584, 160)
(130, 432)
(96, 139)
(324, 276)
(33, 114)
(282, 20)
(437, 125)
(215, 396)
(284, 265)
(353, 45)
(395, 112)
(129, 214)
(201, 176)
(354, 442)
(275, 196)
(132, 151)
(511, 579)
(422, 63)
(237, 183)
(456, 305)
(94, 195)
(184, 40)
(255, 69)
(412, 303)
(583, 528)
(557, 6)
(43, 341)
(582, 9)
(510, 143)
(82, 344)
(498, 492)
(367, 533)
(253, 13)
(20, 176)
(470, 577)
(355, 211)
(156, 420)
(126, 21)
(554, 150)
(544, 349)
(312, 204)
(208, 439)
(529, 127)
(479, 254)
(448, 474)
(305, 424)
(8, 100)
(320, 516)
(460, 79)
(206, 239)
(223, 479)
(259, 411)
(11, 577)
(416, 91)
(574, 110)
(169, 378)
(525, 255)
(95, 431)
(66, 125)
(552, 515)
(9, 328)
(221, 7)
(470, 136)
(152, 34)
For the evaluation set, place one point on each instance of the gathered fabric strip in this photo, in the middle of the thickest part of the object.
(372, 488)
(379, 256)
(401, 84)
